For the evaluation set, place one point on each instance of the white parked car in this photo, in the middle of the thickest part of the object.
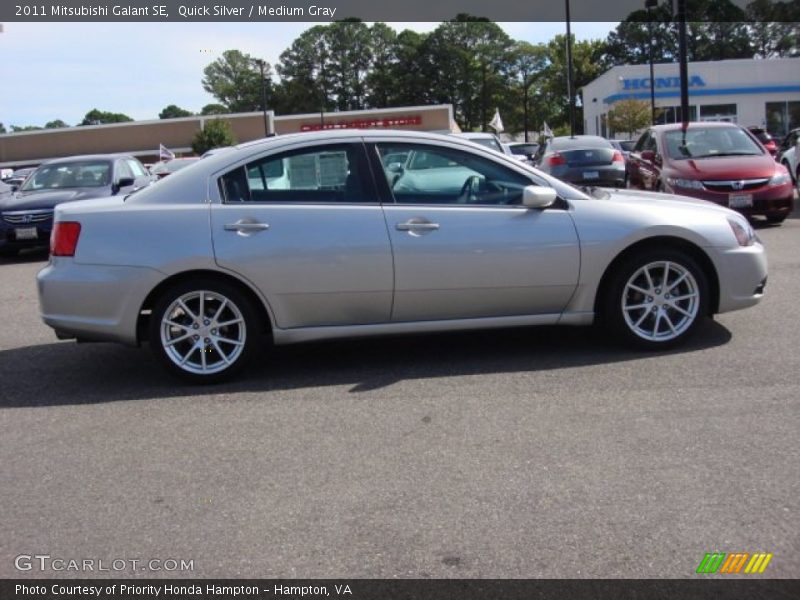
(789, 155)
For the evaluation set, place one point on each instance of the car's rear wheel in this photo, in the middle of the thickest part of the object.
(204, 331)
(655, 300)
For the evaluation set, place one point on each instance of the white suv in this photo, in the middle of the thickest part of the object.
(789, 154)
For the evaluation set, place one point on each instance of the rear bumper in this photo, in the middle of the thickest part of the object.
(8, 238)
(94, 302)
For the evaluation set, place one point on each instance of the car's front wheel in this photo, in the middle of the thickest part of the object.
(204, 331)
(656, 299)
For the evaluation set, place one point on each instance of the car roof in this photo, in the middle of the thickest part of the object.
(578, 141)
(695, 125)
(84, 157)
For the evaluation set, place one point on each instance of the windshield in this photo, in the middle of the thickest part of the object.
(69, 175)
(708, 142)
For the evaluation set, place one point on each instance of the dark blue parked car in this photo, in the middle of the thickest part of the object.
(26, 216)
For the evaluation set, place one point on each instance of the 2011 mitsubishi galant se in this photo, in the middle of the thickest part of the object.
(314, 236)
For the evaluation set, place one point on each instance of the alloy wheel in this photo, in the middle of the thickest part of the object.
(660, 301)
(203, 332)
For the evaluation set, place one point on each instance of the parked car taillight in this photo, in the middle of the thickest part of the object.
(64, 239)
(618, 157)
(556, 159)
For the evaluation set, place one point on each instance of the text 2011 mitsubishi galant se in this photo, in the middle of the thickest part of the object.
(356, 233)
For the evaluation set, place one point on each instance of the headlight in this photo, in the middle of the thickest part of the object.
(685, 183)
(780, 178)
(743, 231)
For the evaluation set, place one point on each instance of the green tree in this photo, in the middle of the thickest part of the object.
(235, 80)
(2, 128)
(173, 112)
(16, 128)
(57, 124)
(467, 63)
(214, 109)
(98, 117)
(380, 82)
(350, 58)
(629, 116)
(587, 64)
(527, 67)
(773, 28)
(307, 84)
(215, 134)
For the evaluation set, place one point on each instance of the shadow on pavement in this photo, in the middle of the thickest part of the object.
(67, 373)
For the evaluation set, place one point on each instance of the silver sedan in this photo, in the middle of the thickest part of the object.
(360, 233)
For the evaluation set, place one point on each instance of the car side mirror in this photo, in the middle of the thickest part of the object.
(537, 196)
(126, 182)
(395, 167)
(14, 188)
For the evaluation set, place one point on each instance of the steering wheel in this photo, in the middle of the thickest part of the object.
(470, 189)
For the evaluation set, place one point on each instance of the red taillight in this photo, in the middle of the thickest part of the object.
(617, 157)
(556, 159)
(64, 239)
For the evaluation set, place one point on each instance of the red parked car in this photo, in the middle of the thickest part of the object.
(763, 136)
(719, 162)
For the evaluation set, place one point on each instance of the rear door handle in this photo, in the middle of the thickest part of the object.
(242, 226)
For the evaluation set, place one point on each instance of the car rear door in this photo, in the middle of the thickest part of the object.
(305, 226)
(463, 245)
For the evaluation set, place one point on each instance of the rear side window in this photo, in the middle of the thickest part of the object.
(330, 173)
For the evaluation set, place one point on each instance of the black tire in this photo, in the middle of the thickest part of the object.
(662, 311)
(776, 219)
(216, 345)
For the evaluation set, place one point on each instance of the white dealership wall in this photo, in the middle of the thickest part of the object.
(748, 83)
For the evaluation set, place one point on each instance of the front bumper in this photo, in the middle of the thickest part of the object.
(742, 275)
(768, 201)
(94, 302)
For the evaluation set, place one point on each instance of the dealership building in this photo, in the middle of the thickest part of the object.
(143, 138)
(750, 92)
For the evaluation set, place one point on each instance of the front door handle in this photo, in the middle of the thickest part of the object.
(417, 226)
(243, 226)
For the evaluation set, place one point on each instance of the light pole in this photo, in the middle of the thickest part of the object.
(684, 67)
(648, 4)
(261, 65)
(569, 76)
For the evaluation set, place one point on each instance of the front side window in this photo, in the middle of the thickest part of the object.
(331, 173)
(437, 175)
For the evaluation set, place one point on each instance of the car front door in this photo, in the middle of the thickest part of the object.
(305, 226)
(464, 246)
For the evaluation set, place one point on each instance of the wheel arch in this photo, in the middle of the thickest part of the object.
(660, 243)
(143, 318)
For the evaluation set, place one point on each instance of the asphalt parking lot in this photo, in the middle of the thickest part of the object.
(513, 454)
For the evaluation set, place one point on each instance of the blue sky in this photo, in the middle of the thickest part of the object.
(62, 70)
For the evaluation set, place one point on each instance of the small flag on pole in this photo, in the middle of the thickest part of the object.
(547, 132)
(496, 123)
(165, 153)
